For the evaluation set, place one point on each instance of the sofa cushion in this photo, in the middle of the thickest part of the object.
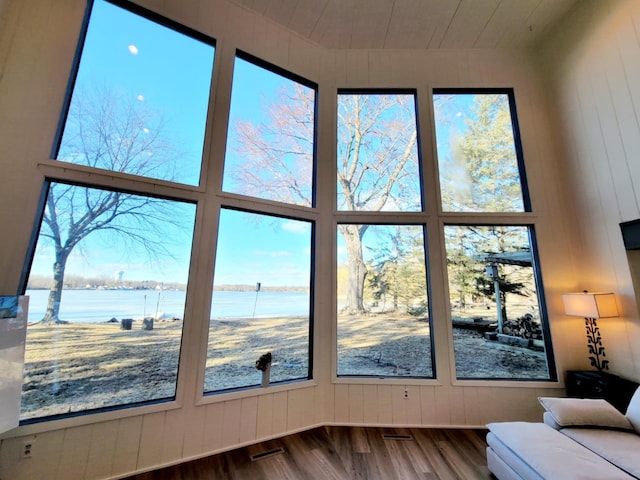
(618, 447)
(633, 410)
(506, 464)
(549, 420)
(584, 412)
(543, 452)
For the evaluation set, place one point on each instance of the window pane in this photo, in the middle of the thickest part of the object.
(140, 98)
(261, 300)
(378, 153)
(477, 158)
(384, 326)
(498, 330)
(107, 298)
(270, 139)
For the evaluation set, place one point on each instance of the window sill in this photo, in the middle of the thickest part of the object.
(254, 392)
(91, 418)
(504, 383)
(419, 382)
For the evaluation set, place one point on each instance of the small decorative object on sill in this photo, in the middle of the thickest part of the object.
(264, 365)
(592, 306)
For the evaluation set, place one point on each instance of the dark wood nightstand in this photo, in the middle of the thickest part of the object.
(593, 384)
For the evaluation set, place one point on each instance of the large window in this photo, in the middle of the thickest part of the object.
(107, 301)
(140, 98)
(392, 337)
(479, 163)
(108, 274)
(384, 323)
(270, 142)
(377, 150)
(497, 310)
(110, 261)
(498, 317)
(262, 299)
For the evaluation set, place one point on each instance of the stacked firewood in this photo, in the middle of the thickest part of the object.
(523, 327)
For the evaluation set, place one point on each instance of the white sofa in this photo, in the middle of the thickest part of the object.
(580, 439)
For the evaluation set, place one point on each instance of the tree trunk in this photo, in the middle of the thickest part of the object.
(357, 269)
(51, 316)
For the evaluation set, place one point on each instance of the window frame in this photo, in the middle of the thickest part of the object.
(275, 69)
(435, 219)
(366, 378)
(261, 206)
(528, 217)
(148, 405)
(542, 306)
(54, 170)
(163, 21)
(517, 144)
(419, 217)
(419, 152)
(430, 215)
(204, 394)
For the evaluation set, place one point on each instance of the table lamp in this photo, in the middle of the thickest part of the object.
(592, 306)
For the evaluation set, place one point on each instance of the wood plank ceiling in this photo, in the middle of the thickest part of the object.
(416, 24)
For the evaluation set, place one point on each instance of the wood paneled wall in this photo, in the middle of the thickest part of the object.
(38, 39)
(593, 67)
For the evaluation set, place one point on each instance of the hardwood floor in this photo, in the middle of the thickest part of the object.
(341, 453)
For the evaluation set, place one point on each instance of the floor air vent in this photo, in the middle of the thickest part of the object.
(393, 436)
(268, 453)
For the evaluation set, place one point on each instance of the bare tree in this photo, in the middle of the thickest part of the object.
(376, 145)
(377, 170)
(108, 132)
(276, 155)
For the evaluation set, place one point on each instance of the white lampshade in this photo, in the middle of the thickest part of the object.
(590, 305)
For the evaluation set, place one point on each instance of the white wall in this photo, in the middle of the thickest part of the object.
(593, 67)
(36, 52)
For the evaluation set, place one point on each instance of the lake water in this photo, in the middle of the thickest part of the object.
(102, 305)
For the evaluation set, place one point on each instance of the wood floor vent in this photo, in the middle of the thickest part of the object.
(393, 436)
(268, 453)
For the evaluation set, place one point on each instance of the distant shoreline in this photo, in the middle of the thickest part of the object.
(159, 288)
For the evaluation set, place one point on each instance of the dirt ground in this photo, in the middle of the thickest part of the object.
(84, 366)
(383, 345)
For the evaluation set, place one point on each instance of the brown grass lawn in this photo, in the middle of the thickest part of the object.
(83, 366)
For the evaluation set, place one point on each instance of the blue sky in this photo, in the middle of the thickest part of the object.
(258, 248)
(254, 88)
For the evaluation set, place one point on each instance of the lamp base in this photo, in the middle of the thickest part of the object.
(594, 343)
